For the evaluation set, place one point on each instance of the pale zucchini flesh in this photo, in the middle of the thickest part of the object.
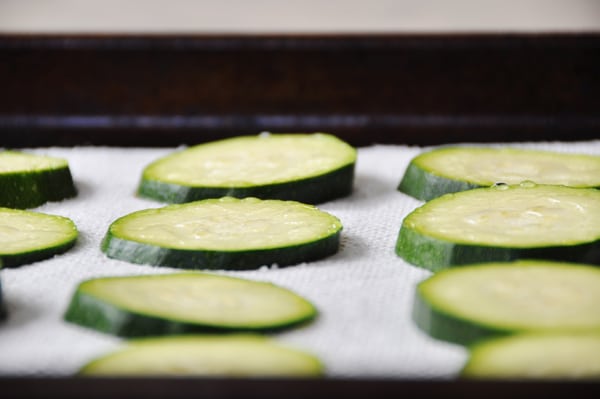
(30, 180)
(476, 302)
(27, 236)
(563, 356)
(226, 233)
(452, 169)
(184, 302)
(309, 168)
(237, 356)
(503, 223)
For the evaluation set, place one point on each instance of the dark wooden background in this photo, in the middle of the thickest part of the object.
(410, 89)
(103, 388)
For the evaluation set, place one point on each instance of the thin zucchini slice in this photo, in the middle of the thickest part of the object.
(503, 223)
(471, 303)
(453, 169)
(27, 236)
(310, 168)
(235, 356)
(224, 233)
(574, 356)
(29, 180)
(184, 302)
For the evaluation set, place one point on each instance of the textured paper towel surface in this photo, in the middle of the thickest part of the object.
(364, 293)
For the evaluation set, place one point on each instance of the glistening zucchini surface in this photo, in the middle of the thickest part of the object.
(184, 302)
(310, 168)
(29, 180)
(27, 236)
(452, 169)
(565, 356)
(235, 356)
(503, 223)
(224, 233)
(472, 303)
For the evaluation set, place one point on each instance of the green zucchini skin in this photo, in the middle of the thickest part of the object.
(45, 251)
(326, 187)
(103, 310)
(24, 190)
(439, 325)
(423, 244)
(432, 174)
(435, 311)
(435, 254)
(423, 185)
(140, 253)
(87, 311)
(232, 356)
(564, 356)
(11, 261)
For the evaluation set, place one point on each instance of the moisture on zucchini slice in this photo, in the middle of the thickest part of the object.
(310, 168)
(224, 233)
(471, 303)
(184, 302)
(452, 169)
(217, 356)
(503, 223)
(565, 356)
(27, 236)
(29, 180)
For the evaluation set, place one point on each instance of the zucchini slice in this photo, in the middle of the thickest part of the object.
(27, 236)
(224, 233)
(452, 169)
(217, 356)
(184, 302)
(563, 356)
(503, 223)
(471, 303)
(310, 168)
(29, 180)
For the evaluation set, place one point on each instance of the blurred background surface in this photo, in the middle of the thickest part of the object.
(305, 16)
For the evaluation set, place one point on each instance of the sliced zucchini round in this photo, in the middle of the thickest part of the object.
(224, 233)
(30, 180)
(503, 223)
(471, 303)
(453, 169)
(310, 168)
(184, 302)
(217, 356)
(563, 356)
(27, 236)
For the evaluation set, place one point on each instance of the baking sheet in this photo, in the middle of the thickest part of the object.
(364, 293)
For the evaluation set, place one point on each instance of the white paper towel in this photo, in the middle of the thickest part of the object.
(364, 293)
